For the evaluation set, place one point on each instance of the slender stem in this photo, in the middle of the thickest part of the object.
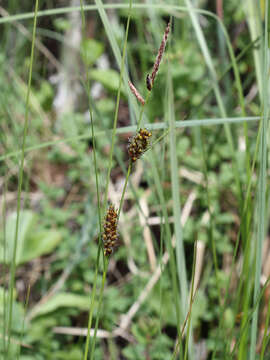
(92, 127)
(4, 264)
(227, 294)
(168, 237)
(142, 110)
(130, 163)
(249, 318)
(107, 186)
(26, 121)
(265, 336)
(117, 107)
(91, 310)
(98, 195)
(23, 324)
(188, 317)
(99, 306)
(124, 189)
(191, 300)
(261, 189)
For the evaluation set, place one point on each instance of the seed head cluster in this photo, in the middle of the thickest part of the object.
(110, 236)
(138, 144)
(151, 78)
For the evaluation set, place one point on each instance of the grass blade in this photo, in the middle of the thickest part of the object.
(179, 124)
(26, 121)
(261, 189)
(203, 45)
(180, 254)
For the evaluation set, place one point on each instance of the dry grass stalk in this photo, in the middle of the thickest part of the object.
(136, 93)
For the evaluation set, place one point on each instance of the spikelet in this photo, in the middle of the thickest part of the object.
(110, 236)
(136, 93)
(151, 78)
(148, 82)
(138, 144)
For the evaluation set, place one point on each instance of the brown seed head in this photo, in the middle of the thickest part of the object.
(138, 144)
(109, 235)
(151, 78)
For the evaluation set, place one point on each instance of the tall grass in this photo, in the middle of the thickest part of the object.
(242, 337)
(20, 182)
(261, 226)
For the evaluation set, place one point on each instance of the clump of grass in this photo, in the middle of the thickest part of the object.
(137, 146)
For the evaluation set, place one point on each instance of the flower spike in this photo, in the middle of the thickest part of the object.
(110, 236)
(138, 144)
(151, 78)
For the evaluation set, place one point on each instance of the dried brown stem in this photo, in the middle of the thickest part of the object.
(136, 93)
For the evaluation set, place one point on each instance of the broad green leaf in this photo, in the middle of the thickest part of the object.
(40, 243)
(63, 300)
(32, 242)
(26, 224)
(91, 51)
(108, 78)
(17, 310)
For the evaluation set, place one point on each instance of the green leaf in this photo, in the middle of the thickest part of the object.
(39, 244)
(91, 51)
(108, 78)
(32, 242)
(17, 310)
(69, 354)
(63, 300)
(62, 24)
(26, 223)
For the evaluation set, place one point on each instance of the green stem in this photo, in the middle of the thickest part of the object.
(91, 310)
(261, 190)
(92, 127)
(124, 189)
(4, 264)
(249, 318)
(265, 336)
(97, 191)
(23, 325)
(26, 121)
(99, 306)
(191, 300)
(142, 110)
(117, 106)
(227, 294)
(187, 319)
(130, 163)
